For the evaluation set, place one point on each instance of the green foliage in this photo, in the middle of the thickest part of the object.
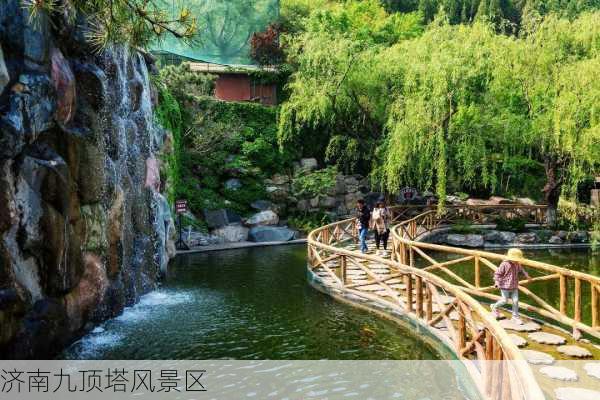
(312, 183)
(168, 115)
(463, 227)
(309, 221)
(182, 82)
(338, 97)
(511, 224)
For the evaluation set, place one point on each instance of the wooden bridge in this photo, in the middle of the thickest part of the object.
(451, 297)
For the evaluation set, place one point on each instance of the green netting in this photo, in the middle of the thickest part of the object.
(225, 28)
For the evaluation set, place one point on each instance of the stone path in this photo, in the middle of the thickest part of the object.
(543, 346)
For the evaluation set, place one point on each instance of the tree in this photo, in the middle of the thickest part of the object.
(134, 22)
(337, 97)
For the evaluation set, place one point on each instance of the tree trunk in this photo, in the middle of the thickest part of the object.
(552, 188)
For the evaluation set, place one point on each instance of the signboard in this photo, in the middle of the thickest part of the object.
(408, 193)
(180, 206)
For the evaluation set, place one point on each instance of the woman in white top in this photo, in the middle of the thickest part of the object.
(380, 222)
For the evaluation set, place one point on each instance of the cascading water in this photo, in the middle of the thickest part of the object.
(84, 230)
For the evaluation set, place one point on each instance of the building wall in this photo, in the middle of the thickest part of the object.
(240, 87)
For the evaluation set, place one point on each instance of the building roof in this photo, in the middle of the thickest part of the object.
(228, 69)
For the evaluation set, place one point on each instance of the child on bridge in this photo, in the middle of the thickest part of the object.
(506, 278)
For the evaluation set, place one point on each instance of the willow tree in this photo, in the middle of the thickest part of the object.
(553, 73)
(443, 125)
(472, 100)
(337, 103)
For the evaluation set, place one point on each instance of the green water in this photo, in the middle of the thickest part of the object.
(583, 260)
(246, 304)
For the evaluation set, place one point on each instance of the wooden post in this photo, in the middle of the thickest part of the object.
(343, 268)
(412, 257)
(577, 300)
(595, 316)
(477, 272)
(419, 305)
(429, 302)
(409, 293)
(563, 294)
(462, 328)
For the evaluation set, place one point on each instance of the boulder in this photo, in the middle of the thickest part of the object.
(267, 217)
(303, 205)
(327, 201)
(578, 237)
(479, 202)
(525, 201)
(562, 234)
(592, 369)
(280, 179)
(232, 233)
(470, 240)
(261, 205)
(340, 184)
(555, 239)
(220, 217)
(64, 85)
(314, 202)
(309, 164)
(233, 184)
(499, 200)
(271, 234)
(546, 338)
(527, 238)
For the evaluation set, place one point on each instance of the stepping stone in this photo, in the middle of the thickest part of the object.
(546, 338)
(559, 373)
(518, 340)
(537, 357)
(592, 369)
(574, 351)
(526, 327)
(565, 393)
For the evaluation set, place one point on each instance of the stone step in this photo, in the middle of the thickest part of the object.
(526, 327)
(592, 369)
(518, 340)
(537, 357)
(574, 351)
(571, 393)
(546, 338)
(560, 373)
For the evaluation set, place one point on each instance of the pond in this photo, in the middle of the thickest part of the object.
(246, 304)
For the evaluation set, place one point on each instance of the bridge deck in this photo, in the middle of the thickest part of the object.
(563, 367)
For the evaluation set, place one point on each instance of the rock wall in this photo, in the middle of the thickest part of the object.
(83, 228)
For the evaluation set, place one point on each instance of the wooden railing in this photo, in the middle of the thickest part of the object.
(447, 309)
(571, 311)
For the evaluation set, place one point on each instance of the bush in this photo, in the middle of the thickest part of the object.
(463, 227)
(312, 183)
(511, 224)
(308, 222)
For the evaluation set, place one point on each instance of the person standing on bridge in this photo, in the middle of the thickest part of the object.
(506, 278)
(363, 218)
(381, 226)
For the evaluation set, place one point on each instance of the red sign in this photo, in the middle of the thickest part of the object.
(180, 206)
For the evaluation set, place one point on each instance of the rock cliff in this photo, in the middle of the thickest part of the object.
(83, 227)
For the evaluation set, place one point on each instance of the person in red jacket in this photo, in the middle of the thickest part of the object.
(506, 278)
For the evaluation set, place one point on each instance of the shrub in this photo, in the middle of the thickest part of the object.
(312, 183)
(463, 227)
(309, 221)
(511, 224)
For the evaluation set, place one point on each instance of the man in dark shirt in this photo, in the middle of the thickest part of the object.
(363, 217)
